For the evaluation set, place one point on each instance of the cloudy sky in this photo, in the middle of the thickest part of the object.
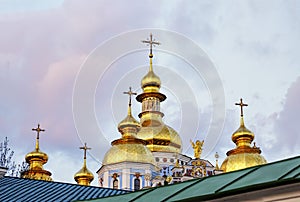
(253, 47)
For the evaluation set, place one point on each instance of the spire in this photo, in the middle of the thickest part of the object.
(243, 136)
(128, 127)
(84, 176)
(241, 104)
(151, 82)
(217, 164)
(36, 159)
(38, 130)
(85, 148)
(151, 42)
(129, 93)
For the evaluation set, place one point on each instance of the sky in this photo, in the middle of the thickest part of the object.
(242, 49)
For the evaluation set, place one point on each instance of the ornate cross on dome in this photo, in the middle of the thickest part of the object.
(85, 148)
(241, 104)
(151, 42)
(130, 93)
(38, 130)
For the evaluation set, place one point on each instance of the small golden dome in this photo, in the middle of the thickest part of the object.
(36, 159)
(129, 123)
(151, 82)
(128, 150)
(161, 138)
(242, 136)
(84, 176)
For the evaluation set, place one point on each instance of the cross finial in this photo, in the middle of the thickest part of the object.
(84, 148)
(130, 93)
(151, 42)
(241, 104)
(38, 130)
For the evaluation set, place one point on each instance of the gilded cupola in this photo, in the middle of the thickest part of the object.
(36, 159)
(158, 136)
(128, 148)
(244, 155)
(84, 176)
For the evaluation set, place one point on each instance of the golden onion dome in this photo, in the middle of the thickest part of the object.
(151, 82)
(129, 124)
(128, 150)
(84, 176)
(36, 156)
(36, 159)
(161, 138)
(244, 155)
(242, 136)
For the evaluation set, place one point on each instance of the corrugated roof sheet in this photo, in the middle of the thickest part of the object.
(250, 179)
(19, 189)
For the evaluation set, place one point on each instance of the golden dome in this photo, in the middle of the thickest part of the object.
(151, 82)
(241, 161)
(36, 156)
(84, 176)
(242, 136)
(128, 150)
(128, 127)
(36, 159)
(244, 155)
(158, 136)
(161, 138)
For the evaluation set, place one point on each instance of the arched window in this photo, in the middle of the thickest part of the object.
(115, 184)
(137, 183)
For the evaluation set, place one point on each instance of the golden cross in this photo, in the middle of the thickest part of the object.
(85, 148)
(38, 130)
(151, 42)
(130, 93)
(241, 104)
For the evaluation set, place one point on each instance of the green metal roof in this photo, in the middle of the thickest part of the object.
(269, 175)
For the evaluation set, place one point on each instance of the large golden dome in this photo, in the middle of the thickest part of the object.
(161, 138)
(241, 161)
(128, 151)
(244, 155)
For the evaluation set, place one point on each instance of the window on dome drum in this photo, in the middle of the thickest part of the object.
(136, 184)
(115, 184)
